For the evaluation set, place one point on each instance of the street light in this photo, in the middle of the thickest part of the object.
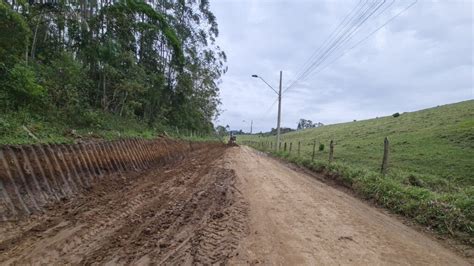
(279, 106)
(256, 76)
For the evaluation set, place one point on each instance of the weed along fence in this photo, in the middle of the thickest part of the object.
(287, 148)
(32, 176)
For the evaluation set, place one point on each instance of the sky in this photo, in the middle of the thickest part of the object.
(422, 58)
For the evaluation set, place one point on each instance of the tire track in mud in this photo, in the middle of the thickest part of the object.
(216, 239)
(88, 235)
(203, 212)
(186, 212)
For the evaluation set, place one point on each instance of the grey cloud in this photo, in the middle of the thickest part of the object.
(421, 59)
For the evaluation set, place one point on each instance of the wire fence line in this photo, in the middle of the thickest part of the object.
(311, 149)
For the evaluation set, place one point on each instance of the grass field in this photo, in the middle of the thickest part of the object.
(432, 142)
(431, 159)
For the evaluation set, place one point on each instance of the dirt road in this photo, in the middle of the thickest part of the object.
(216, 205)
(296, 219)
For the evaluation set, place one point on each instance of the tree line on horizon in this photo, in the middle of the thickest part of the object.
(154, 61)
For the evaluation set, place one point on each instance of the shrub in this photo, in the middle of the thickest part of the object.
(20, 87)
(414, 181)
(5, 127)
(396, 115)
(87, 118)
(321, 147)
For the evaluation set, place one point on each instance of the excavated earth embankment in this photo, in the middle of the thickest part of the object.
(124, 202)
(33, 176)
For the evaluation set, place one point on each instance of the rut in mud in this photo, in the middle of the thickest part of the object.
(188, 211)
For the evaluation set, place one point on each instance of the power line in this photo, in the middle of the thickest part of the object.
(368, 36)
(335, 31)
(352, 20)
(329, 40)
(344, 46)
(342, 40)
(271, 106)
(345, 40)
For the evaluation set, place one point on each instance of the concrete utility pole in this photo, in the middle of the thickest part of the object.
(251, 125)
(277, 144)
(279, 109)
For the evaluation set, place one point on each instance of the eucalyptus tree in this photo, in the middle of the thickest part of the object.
(156, 61)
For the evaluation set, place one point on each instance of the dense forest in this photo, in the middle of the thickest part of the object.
(156, 61)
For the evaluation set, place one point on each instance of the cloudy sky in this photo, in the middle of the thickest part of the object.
(420, 59)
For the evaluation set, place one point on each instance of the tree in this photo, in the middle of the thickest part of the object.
(152, 61)
(303, 123)
(221, 131)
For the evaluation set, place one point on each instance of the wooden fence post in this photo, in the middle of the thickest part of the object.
(299, 147)
(331, 151)
(291, 144)
(284, 149)
(271, 145)
(314, 150)
(386, 150)
(279, 146)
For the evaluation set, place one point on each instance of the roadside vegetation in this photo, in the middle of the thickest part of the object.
(431, 172)
(27, 128)
(107, 69)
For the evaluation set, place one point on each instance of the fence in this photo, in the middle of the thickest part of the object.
(271, 146)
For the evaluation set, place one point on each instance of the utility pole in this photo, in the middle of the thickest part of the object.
(251, 125)
(279, 110)
(277, 144)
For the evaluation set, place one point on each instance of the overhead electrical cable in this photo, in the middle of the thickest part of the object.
(344, 50)
(336, 31)
(353, 20)
(369, 35)
(344, 38)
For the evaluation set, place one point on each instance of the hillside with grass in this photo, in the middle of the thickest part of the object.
(431, 162)
(437, 141)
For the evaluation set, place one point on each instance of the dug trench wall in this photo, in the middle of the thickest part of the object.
(32, 176)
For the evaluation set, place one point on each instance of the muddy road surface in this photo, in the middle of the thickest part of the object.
(216, 206)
